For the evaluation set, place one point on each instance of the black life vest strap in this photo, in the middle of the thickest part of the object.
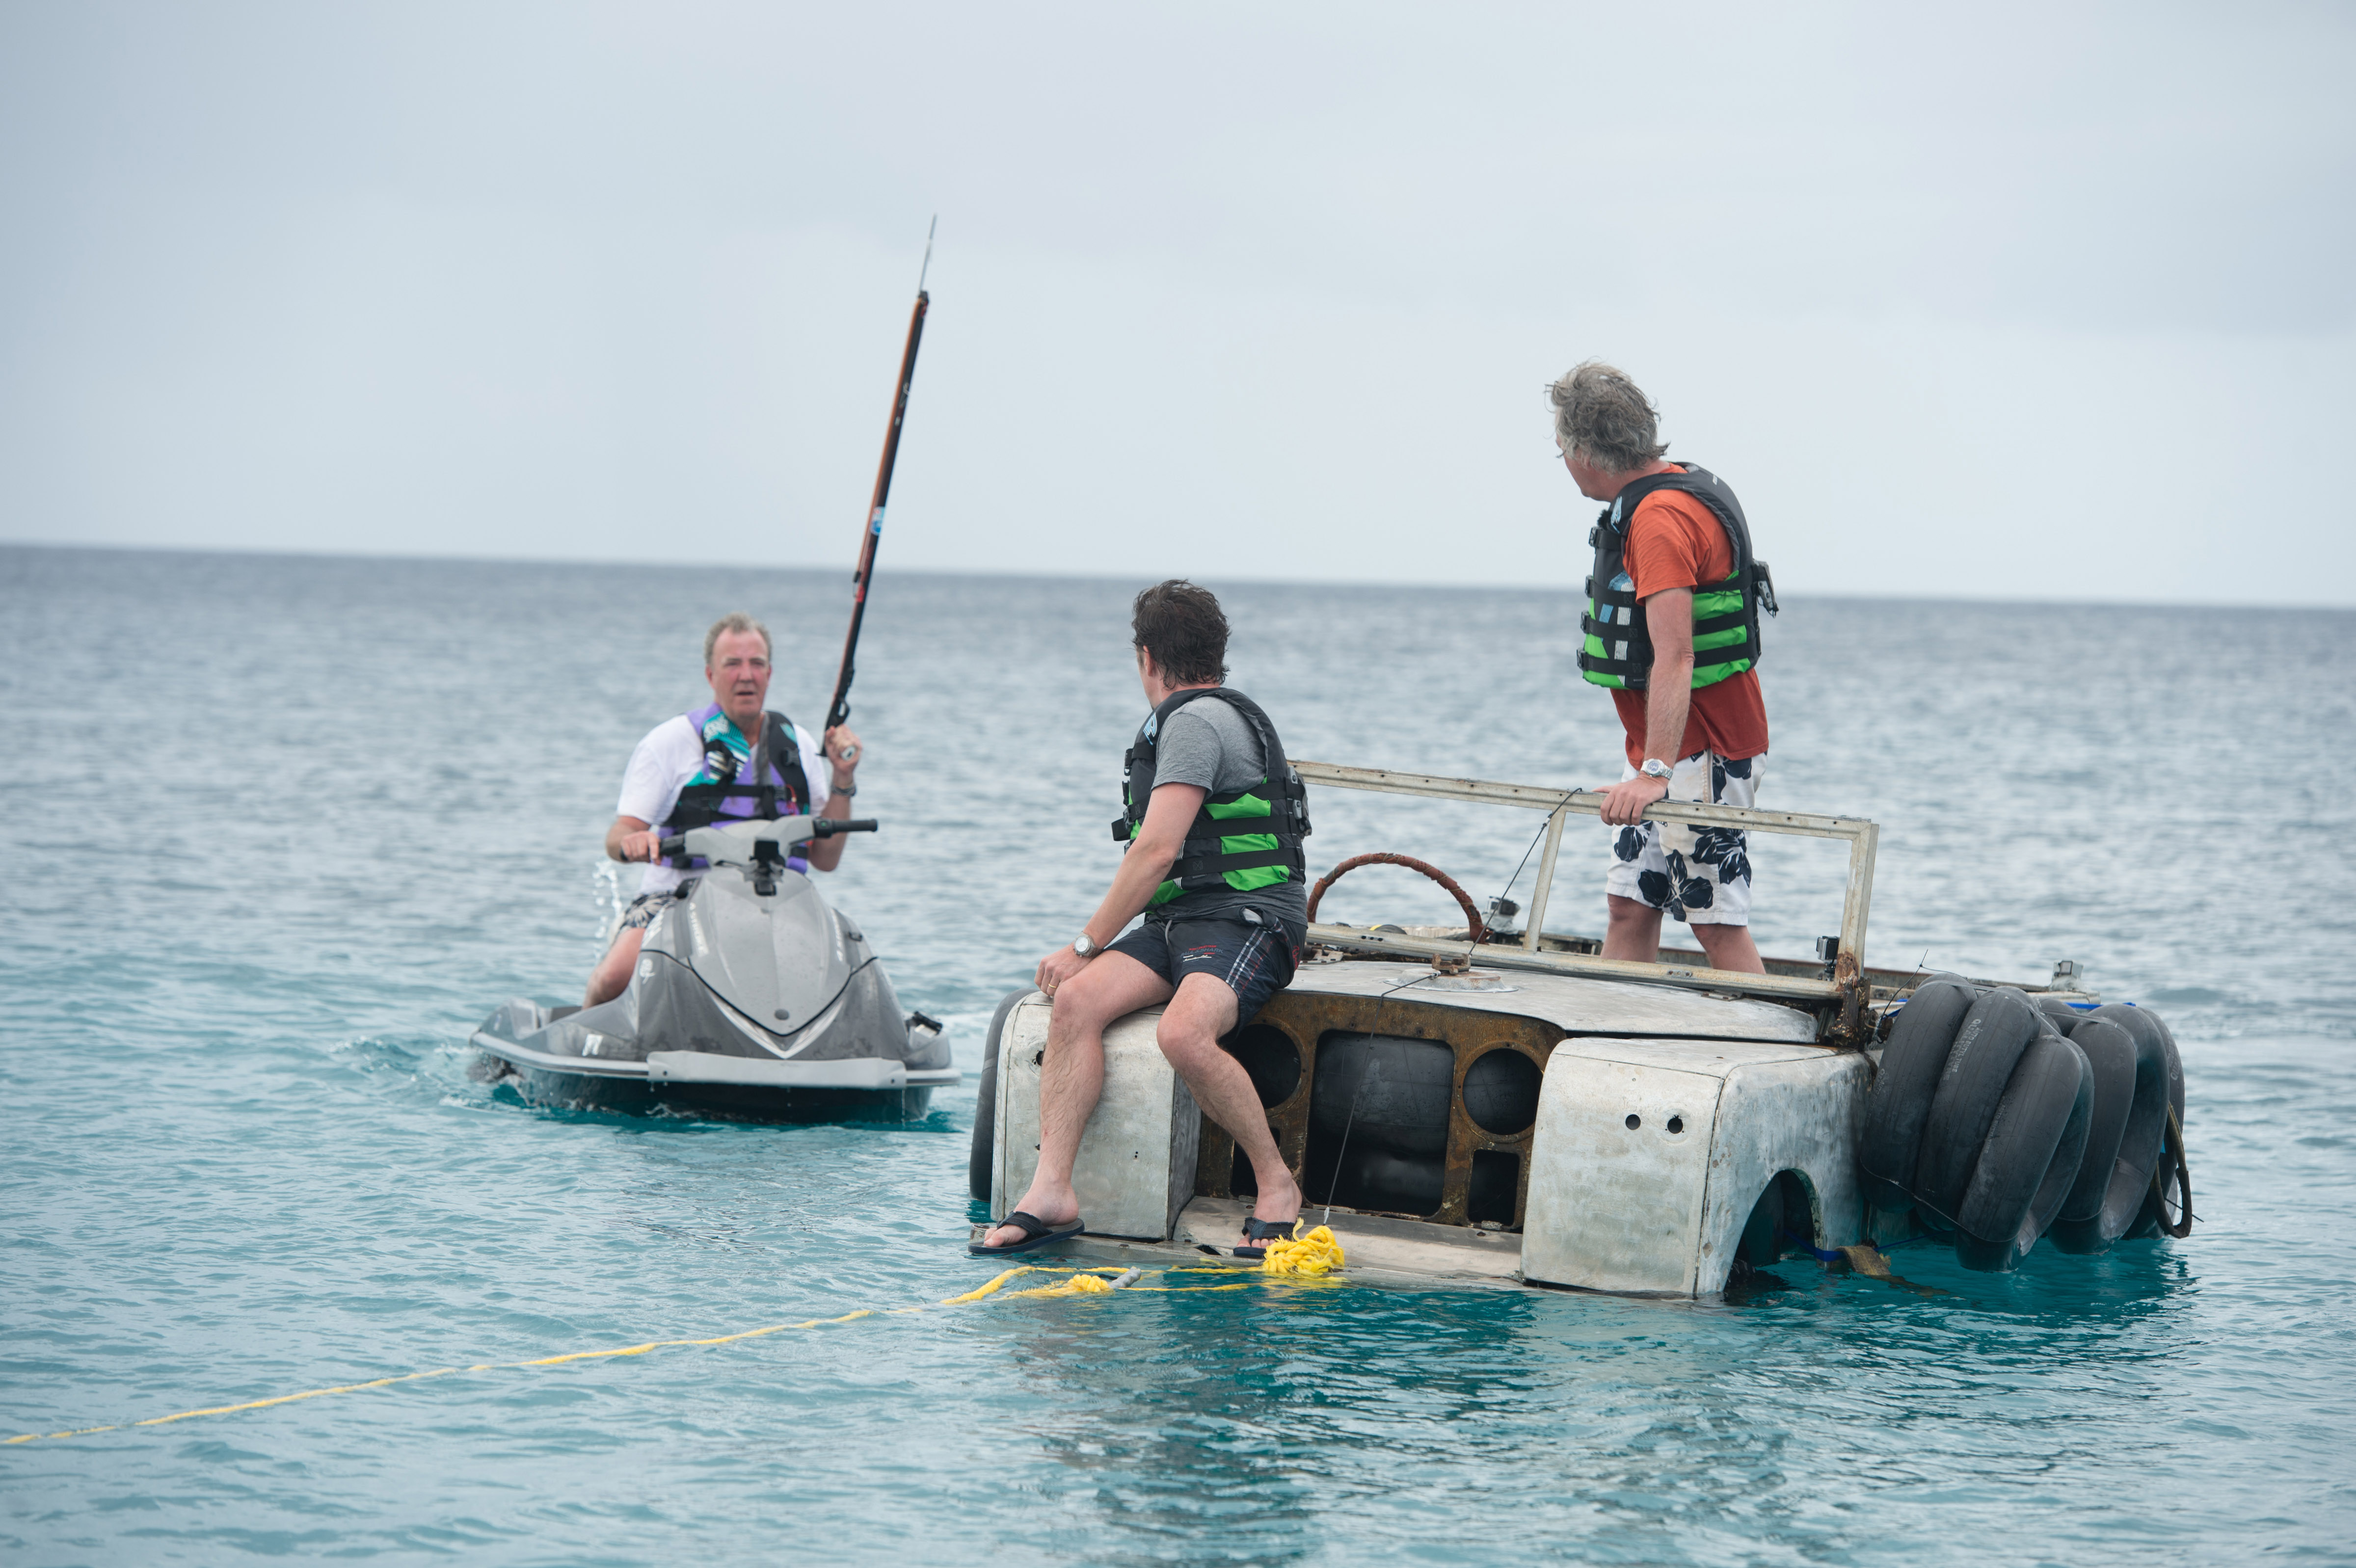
(1214, 865)
(699, 804)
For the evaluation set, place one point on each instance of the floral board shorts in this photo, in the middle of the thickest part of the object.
(1700, 875)
(645, 906)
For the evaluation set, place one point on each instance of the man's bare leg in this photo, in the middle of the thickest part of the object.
(612, 975)
(1071, 1079)
(1729, 947)
(1204, 1010)
(1634, 932)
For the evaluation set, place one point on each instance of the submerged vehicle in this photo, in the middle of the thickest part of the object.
(751, 997)
(1506, 1106)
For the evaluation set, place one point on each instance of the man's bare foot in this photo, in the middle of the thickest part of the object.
(1047, 1208)
(1275, 1205)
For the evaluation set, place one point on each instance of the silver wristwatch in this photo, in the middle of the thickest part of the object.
(1655, 768)
(1086, 946)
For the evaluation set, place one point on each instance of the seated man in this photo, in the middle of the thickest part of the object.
(1214, 820)
(700, 768)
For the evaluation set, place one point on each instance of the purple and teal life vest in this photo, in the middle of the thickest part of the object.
(739, 782)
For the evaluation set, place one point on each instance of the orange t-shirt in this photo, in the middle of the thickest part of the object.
(1674, 540)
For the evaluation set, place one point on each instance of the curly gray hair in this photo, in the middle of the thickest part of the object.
(1603, 418)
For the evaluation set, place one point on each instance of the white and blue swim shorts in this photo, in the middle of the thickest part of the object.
(1699, 875)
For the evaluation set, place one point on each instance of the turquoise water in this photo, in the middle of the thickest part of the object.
(285, 829)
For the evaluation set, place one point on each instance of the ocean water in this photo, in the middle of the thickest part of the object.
(283, 830)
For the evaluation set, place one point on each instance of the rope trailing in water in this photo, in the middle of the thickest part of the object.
(1082, 1282)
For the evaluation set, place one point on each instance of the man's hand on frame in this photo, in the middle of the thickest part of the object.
(1625, 801)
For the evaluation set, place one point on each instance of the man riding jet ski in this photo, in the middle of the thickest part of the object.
(731, 984)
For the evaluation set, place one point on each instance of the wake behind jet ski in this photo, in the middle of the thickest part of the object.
(750, 997)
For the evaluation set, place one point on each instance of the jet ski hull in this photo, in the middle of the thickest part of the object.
(748, 1001)
(636, 1095)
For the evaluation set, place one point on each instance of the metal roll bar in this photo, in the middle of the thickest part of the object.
(1846, 992)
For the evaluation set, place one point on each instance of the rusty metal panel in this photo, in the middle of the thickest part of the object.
(1306, 1016)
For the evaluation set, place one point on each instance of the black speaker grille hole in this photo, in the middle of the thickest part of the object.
(1496, 1182)
(1501, 1091)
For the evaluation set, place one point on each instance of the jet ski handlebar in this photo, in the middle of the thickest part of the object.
(734, 844)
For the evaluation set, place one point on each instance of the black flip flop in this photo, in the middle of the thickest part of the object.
(1036, 1232)
(1257, 1230)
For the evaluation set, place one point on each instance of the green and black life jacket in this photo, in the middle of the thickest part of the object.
(1244, 839)
(1616, 647)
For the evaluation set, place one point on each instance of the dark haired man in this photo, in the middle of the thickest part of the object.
(1672, 629)
(1213, 817)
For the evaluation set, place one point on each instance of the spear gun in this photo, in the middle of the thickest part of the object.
(840, 712)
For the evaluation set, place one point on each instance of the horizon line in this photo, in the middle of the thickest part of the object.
(1051, 576)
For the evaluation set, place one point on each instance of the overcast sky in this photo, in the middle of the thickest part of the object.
(2036, 302)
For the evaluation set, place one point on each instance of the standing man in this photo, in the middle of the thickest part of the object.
(730, 758)
(1213, 818)
(1672, 628)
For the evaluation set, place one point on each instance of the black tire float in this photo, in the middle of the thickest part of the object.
(2065, 1017)
(2118, 1200)
(2151, 1219)
(2029, 1159)
(1904, 1089)
(1998, 1119)
(2107, 1194)
(985, 1103)
(1980, 1064)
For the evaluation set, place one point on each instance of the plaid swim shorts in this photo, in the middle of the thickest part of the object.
(1252, 959)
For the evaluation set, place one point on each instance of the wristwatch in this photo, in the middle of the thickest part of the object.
(842, 789)
(1655, 768)
(1086, 946)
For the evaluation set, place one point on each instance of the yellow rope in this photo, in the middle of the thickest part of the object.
(1083, 1282)
(1311, 1256)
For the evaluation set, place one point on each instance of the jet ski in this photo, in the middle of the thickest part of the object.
(752, 997)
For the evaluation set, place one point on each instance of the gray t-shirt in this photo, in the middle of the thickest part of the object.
(1209, 745)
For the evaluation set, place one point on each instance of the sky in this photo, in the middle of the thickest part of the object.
(2004, 302)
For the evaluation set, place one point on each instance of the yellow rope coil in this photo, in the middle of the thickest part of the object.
(1313, 1256)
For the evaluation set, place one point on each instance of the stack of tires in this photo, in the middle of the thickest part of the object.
(1998, 1121)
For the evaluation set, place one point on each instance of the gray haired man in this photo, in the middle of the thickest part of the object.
(1672, 630)
(731, 758)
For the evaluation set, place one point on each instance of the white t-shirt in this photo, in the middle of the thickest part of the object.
(671, 755)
